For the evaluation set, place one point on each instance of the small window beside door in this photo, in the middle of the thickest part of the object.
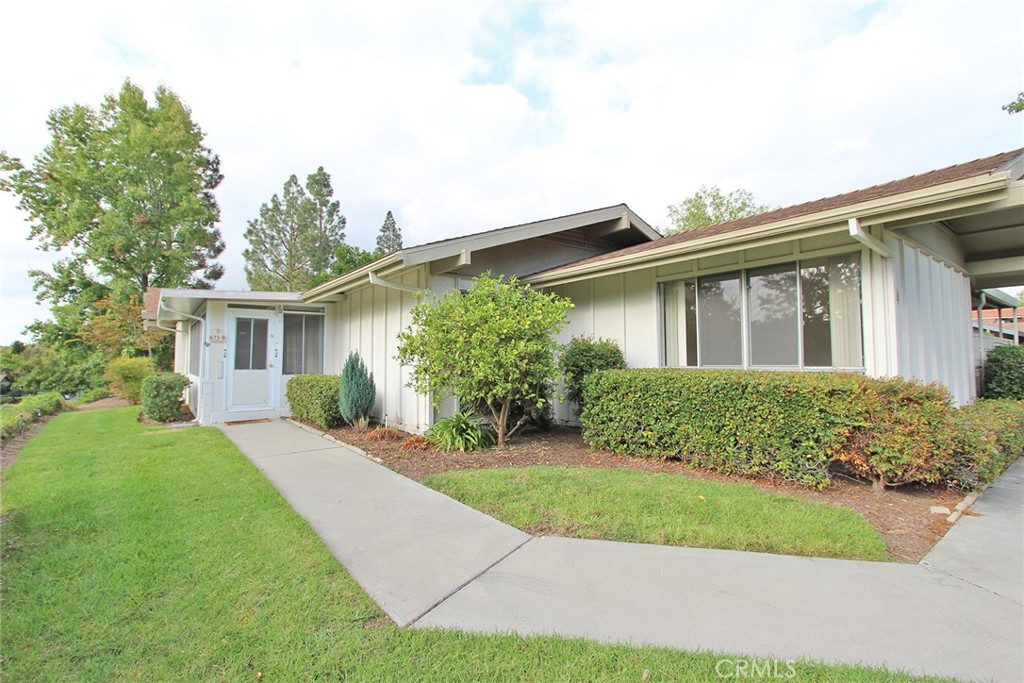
(251, 344)
(303, 344)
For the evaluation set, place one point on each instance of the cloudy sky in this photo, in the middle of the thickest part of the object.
(461, 116)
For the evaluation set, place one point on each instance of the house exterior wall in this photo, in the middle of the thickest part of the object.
(933, 317)
(627, 307)
(207, 394)
(915, 307)
(368, 322)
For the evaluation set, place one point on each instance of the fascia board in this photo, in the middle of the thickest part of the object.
(977, 190)
(495, 238)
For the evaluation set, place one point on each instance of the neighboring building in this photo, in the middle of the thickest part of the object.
(878, 281)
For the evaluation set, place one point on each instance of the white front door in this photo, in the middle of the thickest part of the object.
(252, 360)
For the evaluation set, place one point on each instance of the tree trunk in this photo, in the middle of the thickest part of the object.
(502, 421)
(878, 485)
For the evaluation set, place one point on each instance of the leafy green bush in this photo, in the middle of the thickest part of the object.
(161, 395)
(124, 377)
(29, 410)
(1004, 373)
(314, 398)
(356, 391)
(582, 356)
(493, 344)
(94, 394)
(989, 438)
(462, 431)
(787, 424)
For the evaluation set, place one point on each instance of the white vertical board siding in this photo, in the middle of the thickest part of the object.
(623, 308)
(369, 322)
(878, 299)
(933, 320)
(640, 341)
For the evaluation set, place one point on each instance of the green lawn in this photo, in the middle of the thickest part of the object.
(140, 554)
(648, 507)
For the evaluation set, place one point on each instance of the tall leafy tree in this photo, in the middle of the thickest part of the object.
(709, 206)
(126, 193)
(389, 239)
(296, 235)
(346, 259)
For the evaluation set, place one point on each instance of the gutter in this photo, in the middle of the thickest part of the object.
(875, 211)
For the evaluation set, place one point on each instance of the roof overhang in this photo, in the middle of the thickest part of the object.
(176, 305)
(993, 298)
(945, 199)
(446, 255)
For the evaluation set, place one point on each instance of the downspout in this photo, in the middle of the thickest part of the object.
(981, 342)
(202, 358)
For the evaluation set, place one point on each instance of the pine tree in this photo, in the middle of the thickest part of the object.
(389, 239)
(296, 235)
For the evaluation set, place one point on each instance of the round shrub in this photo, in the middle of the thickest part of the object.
(1004, 372)
(124, 377)
(161, 395)
(582, 356)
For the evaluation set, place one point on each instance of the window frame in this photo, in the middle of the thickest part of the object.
(284, 341)
(743, 269)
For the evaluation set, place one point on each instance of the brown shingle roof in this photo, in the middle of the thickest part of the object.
(970, 169)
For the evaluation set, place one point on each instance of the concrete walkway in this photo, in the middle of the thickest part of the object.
(430, 561)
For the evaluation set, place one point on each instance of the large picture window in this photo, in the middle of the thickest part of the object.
(303, 344)
(805, 314)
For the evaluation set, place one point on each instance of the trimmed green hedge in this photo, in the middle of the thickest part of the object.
(30, 409)
(161, 395)
(989, 437)
(1004, 372)
(315, 398)
(788, 424)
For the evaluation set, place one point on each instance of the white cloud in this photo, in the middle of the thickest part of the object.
(461, 117)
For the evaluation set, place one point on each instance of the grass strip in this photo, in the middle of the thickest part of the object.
(147, 554)
(652, 507)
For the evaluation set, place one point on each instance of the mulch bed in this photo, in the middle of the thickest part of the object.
(901, 516)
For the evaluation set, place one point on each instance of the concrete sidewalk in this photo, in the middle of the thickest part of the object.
(433, 562)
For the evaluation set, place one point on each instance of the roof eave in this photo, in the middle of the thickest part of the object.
(976, 189)
(349, 281)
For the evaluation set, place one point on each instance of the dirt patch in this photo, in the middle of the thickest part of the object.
(9, 448)
(901, 516)
(108, 402)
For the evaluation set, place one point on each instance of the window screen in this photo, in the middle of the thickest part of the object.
(251, 344)
(303, 344)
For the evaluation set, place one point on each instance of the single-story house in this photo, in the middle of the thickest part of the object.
(879, 281)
